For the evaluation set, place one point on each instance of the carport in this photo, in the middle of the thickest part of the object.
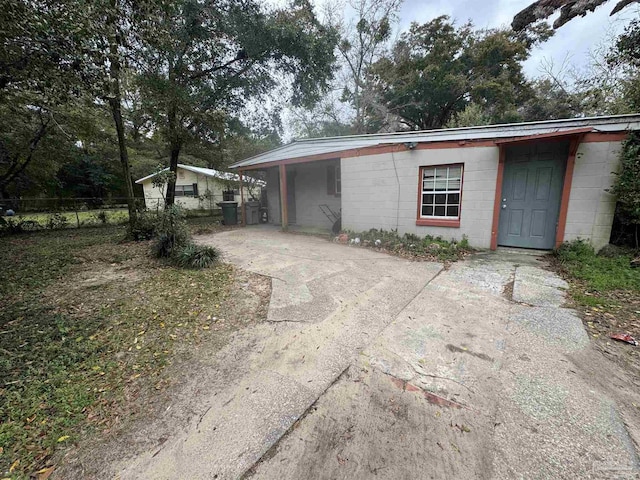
(527, 185)
(304, 194)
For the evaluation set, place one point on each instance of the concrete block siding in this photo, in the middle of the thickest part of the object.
(310, 193)
(591, 207)
(381, 191)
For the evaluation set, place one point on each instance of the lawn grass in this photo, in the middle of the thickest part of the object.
(599, 273)
(85, 320)
(83, 217)
(91, 218)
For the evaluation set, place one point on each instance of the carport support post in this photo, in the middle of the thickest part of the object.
(497, 201)
(243, 211)
(283, 197)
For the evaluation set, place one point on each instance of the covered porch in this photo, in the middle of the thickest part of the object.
(303, 196)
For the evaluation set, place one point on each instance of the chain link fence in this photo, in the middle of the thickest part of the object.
(31, 214)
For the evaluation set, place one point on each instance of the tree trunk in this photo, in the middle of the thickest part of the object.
(124, 158)
(115, 102)
(175, 145)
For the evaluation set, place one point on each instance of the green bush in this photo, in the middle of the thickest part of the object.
(11, 225)
(196, 256)
(101, 217)
(56, 221)
(171, 232)
(144, 227)
(627, 185)
(172, 239)
(576, 250)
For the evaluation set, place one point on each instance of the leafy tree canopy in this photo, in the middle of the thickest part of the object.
(201, 62)
(437, 69)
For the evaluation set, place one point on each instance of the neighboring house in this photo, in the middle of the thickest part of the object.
(199, 188)
(531, 185)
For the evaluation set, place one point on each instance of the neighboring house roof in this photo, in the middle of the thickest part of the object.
(209, 172)
(329, 145)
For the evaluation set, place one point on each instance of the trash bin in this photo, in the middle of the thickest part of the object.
(264, 215)
(229, 212)
(252, 211)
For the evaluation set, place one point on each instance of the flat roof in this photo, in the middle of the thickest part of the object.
(329, 145)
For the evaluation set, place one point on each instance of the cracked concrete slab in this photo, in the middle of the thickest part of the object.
(372, 365)
(462, 342)
(559, 326)
(328, 303)
(538, 287)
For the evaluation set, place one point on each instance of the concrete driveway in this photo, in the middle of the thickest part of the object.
(371, 365)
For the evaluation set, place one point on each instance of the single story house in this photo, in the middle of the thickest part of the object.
(199, 188)
(531, 185)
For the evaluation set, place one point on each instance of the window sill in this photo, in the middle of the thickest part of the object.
(429, 222)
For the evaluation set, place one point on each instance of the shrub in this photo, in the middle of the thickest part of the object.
(627, 185)
(12, 225)
(611, 251)
(101, 217)
(56, 221)
(575, 250)
(144, 227)
(427, 246)
(171, 232)
(196, 256)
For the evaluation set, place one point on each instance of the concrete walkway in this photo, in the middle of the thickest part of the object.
(400, 369)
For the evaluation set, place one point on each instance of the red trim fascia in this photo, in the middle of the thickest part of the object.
(442, 144)
(595, 137)
(428, 222)
(566, 190)
(544, 136)
(284, 214)
(497, 199)
(375, 150)
(438, 222)
(589, 137)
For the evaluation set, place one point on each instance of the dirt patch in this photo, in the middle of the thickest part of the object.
(152, 415)
(620, 314)
(107, 275)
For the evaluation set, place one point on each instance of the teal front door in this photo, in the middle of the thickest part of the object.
(531, 194)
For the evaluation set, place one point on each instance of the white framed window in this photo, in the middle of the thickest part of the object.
(441, 192)
(338, 180)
